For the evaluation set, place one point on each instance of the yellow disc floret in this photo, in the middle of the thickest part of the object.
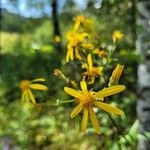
(25, 85)
(86, 98)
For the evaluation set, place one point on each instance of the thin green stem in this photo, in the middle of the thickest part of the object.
(63, 102)
(118, 128)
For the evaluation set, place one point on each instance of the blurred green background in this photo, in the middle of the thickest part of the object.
(28, 51)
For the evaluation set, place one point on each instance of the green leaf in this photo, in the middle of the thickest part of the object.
(134, 128)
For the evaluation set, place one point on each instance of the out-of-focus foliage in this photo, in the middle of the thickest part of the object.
(28, 52)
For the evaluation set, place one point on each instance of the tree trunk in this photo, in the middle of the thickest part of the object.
(133, 22)
(143, 45)
(56, 24)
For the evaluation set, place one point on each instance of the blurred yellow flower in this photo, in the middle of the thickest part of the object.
(117, 35)
(116, 74)
(92, 72)
(26, 86)
(88, 99)
(81, 21)
(75, 44)
(78, 20)
(57, 39)
(100, 53)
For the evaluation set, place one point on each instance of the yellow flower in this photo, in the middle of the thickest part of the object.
(117, 35)
(78, 21)
(92, 72)
(75, 44)
(85, 23)
(57, 39)
(100, 53)
(116, 74)
(88, 99)
(26, 86)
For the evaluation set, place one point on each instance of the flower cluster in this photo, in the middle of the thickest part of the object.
(84, 46)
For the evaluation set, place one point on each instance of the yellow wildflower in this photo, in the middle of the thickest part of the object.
(57, 39)
(75, 44)
(78, 21)
(100, 53)
(26, 86)
(117, 35)
(92, 72)
(88, 99)
(116, 74)
(85, 23)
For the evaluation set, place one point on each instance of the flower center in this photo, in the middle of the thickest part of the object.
(75, 41)
(95, 71)
(87, 98)
(25, 85)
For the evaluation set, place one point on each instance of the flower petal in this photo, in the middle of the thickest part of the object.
(83, 86)
(67, 56)
(77, 53)
(76, 110)
(31, 96)
(38, 87)
(110, 91)
(76, 26)
(89, 59)
(94, 120)
(109, 108)
(87, 46)
(84, 119)
(70, 51)
(26, 97)
(38, 80)
(72, 92)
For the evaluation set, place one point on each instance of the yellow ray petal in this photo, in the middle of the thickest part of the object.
(26, 97)
(72, 92)
(67, 56)
(38, 87)
(83, 86)
(94, 120)
(38, 80)
(76, 26)
(70, 52)
(84, 119)
(109, 108)
(89, 59)
(83, 35)
(87, 46)
(77, 54)
(31, 96)
(110, 91)
(76, 110)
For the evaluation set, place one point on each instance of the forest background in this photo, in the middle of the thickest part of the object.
(29, 50)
